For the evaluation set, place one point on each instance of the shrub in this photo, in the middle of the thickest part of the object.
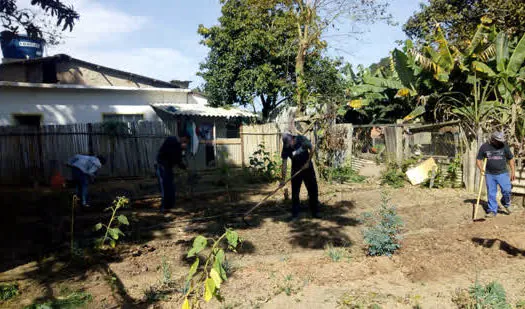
(8, 291)
(393, 176)
(263, 165)
(113, 231)
(342, 175)
(477, 296)
(382, 235)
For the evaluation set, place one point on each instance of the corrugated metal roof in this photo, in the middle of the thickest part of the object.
(176, 109)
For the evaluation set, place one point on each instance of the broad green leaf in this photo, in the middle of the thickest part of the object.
(502, 51)
(233, 238)
(193, 269)
(403, 70)
(113, 233)
(216, 278)
(517, 58)
(186, 304)
(123, 220)
(483, 68)
(476, 40)
(199, 244)
(98, 226)
(209, 289)
(220, 256)
(112, 243)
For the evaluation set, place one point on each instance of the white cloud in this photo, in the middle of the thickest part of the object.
(102, 36)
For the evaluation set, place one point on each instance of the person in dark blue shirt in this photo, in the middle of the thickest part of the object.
(498, 154)
(170, 155)
(298, 149)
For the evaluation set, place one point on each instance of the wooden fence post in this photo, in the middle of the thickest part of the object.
(241, 133)
(399, 141)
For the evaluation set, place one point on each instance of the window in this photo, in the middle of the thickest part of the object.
(27, 120)
(233, 130)
(123, 117)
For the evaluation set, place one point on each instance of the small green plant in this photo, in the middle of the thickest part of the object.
(152, 295)
(8, 291)
(70, 301)
(336, 254)
(263, 165)
(113, 231)
(382, 235)
(520, 304)
(478, 296)
(393, 176)
(166, 272)
(205, 282)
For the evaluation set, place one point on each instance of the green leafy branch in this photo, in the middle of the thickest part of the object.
(206, 282)
(113, 231)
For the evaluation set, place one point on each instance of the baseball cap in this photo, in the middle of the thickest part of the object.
(498, 136)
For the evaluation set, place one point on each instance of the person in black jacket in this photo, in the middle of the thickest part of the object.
(298, 148)
(170, 155)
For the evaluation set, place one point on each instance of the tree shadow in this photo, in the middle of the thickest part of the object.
(503, 245)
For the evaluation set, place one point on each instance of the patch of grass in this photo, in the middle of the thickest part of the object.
(289, 286)
(358, 301)
(74, 300)
(477, 296)
(393, 176)
(8, 291)
(383, 232)
(342, 175)
(336, 254)
(153, 295)
(520, 304)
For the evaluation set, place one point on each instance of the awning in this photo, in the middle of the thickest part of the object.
(174, 110)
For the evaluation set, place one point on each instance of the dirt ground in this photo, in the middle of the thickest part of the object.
(284, 264)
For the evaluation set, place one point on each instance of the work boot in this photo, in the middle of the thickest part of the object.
(490, 215)
(508, 209)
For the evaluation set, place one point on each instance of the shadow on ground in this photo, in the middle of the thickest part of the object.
(503, 245)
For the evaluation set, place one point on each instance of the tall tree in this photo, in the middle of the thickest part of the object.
(459, 18)
(13, 18)
(314, 18)
(251, 56)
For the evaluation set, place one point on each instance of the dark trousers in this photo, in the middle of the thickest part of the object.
(81, 181)
(310, 182)
(167, 186)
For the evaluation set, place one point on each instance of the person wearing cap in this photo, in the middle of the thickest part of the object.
(498, 154)
(298, 149)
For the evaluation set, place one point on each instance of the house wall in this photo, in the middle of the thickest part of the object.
(67, 106)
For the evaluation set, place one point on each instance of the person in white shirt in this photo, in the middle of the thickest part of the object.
(84, 169)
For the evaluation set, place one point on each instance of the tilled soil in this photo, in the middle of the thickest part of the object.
(285, 265)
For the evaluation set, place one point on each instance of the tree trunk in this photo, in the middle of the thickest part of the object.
(266, 108)
(299, 74)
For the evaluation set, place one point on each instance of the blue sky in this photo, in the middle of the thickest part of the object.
(159, 38)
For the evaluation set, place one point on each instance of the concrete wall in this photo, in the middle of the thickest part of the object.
(31, 73)
(66, 106)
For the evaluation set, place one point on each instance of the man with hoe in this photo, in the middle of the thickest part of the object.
(298, 148)
(498, 154)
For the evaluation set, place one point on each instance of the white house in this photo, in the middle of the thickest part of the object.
(64, 90)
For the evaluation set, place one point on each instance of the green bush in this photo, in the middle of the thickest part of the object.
(8, 291)
(263, 165)
(477, 296)
(382, 235)
(342, 175)
(393, 176)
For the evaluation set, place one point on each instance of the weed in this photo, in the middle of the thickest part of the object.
(288, 286)
(477, 296)
(113, 232)
(205, 282)
(520, 304)
(382, 235)
(8, 291)
(166, 272)
(71, 301)
(336, 254)
(358, 301)
(393, 176)
(342, 175)
(263, 165)
(153, 295)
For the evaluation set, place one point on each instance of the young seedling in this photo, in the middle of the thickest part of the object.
(206, 282)
(113, 231)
